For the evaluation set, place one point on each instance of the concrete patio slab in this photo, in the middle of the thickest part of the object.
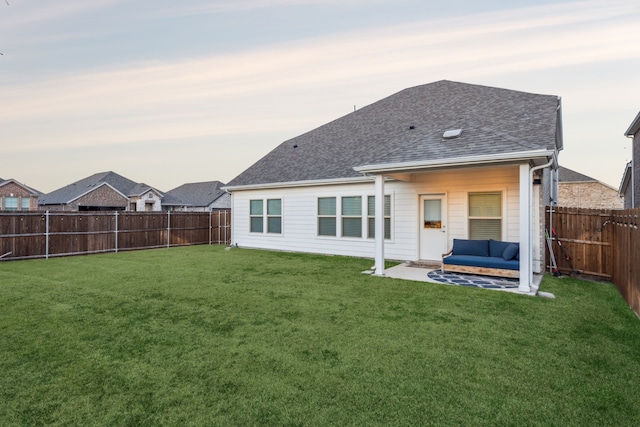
(405, 271)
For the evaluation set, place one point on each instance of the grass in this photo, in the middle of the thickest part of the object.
(204, 336)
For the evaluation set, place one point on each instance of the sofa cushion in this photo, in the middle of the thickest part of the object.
(497, 247)
(471, 247)
(511, 252)
(481, 261)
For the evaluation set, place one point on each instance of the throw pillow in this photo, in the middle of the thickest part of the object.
(510, 252)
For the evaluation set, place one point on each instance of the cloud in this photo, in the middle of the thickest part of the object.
(230, 6)
(245, 92)
(31, 14)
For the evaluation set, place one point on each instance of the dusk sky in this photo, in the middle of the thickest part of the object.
(171, 92)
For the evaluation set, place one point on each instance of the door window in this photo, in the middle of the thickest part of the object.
(432, 214)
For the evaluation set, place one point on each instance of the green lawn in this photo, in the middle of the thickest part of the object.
(207, 336)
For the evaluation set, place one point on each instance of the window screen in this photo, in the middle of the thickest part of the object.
(352, 216)
(327, 216)
(485, 215)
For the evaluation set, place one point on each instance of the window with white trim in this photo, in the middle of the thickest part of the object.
(256, 219)
(485, 215)
(274, 216)
(371, 217)
(269, 218)
(352, 216)
(25, 203)
(327, 216)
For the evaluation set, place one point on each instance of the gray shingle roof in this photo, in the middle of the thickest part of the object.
(568, 175)
(72, 191)
(140, 189)
(197, 194)
(408, 127)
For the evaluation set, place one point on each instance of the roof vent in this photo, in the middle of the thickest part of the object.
(452, 133)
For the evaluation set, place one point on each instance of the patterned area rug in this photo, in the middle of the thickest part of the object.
(460, 279)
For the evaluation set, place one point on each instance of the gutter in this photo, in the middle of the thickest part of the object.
(309, 183)
(460, 161)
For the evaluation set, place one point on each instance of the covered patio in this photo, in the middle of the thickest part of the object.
(430, 274)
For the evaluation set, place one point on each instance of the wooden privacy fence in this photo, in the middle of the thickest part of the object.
(604, 244)
(47, 234)
(626, 261)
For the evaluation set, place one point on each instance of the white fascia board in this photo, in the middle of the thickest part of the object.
(459, 161)
(634, 127)
(310, 183)
(559, 129)
(626, 179)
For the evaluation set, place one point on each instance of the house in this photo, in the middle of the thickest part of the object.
(105, 191)
(197, 197)
(403, 177)
(15, 196)
(576, 190)
(630, 185)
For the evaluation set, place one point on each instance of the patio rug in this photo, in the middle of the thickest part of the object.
(461, 279)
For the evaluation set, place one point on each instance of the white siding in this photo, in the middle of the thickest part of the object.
(299, 212)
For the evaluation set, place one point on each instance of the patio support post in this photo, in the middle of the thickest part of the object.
(526, 229)
(379, 225)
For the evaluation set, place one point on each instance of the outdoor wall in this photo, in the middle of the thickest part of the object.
(299, 212)
(103, 196)
(222, 202)
(591, 195)
(20, 192)
(148, 198)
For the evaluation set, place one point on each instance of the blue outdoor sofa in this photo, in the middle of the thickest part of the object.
(486, 257)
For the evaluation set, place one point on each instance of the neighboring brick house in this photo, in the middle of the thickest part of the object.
(197, 197)
(105, 191)
(15, 196)
(576, 190)
(630, 185)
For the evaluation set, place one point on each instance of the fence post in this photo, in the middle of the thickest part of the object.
(46, 235)
(116, 231)
(168, 228)
(226, 225)
(218, 242)
(210, 225)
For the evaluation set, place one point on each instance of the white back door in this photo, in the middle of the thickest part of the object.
(433, 226)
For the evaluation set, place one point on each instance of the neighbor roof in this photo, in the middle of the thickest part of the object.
(634, 127)
(567, 175)
(199, 194)
(72, 191)
(408, 127)
(626, 179)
